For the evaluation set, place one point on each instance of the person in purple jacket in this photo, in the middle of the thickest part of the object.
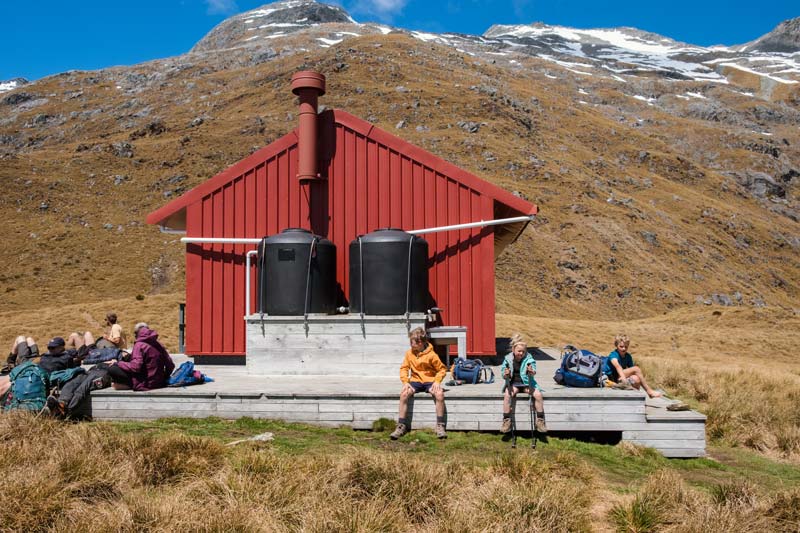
(149, 367)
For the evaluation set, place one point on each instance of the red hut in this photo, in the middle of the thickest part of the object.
(340, 177)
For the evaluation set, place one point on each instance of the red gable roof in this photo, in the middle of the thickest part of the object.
(173, 214)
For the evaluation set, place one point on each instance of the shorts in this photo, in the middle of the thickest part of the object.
(421, 387)
(26, 352)
(521, 386)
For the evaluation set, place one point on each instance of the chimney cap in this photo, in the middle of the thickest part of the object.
(308, 79)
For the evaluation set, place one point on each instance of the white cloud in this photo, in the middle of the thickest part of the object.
(222, 7)
(384, 9)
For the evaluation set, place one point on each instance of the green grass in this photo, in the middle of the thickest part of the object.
(620, 469)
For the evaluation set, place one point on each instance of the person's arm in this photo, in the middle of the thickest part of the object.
(134, 366)
(618, 367)
(404, 367)
(505, 369)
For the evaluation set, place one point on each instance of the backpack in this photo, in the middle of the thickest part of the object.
(186, 375)
(101, 355)
(472, 371)
(579, 368)
(29, 385)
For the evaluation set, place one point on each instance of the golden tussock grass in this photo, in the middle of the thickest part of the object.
(665, 503)
(93, 477)
(737, 366)
(96, 477)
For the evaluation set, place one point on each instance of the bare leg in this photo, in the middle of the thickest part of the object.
(18, 340)
(5, 384)
(88, 339)
(538, 401)
(438, 399)
(120, 386)
(405, 394)
(74, 341)
(636, 378)
(508, 397)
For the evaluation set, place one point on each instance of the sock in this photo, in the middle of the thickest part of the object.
(440, 420)
(403, 421)
(506, 415)
(540, 415)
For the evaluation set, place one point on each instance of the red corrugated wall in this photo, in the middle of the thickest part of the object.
(369, 186)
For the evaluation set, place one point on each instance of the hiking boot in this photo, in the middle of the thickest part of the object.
(398, 432)
(56, 408)
(541, 427)
(440, 431)
(506, 427)
(623, 384)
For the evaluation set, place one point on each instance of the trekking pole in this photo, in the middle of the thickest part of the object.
(530, 407)
(511, 405)
(533, 425)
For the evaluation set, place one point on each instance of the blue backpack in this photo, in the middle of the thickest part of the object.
(101, 355)
(580, 368)
(472, 371)
(186, 375)
(29, 386)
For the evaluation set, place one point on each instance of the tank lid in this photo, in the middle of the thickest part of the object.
(295, 230)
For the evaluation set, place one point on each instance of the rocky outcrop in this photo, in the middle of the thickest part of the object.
(279, 18)
(784, 39)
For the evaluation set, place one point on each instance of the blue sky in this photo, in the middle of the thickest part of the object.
(38, 38)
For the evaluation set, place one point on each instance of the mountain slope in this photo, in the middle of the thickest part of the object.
(657, 191)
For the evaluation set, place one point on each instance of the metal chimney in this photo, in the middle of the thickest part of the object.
(308, 86)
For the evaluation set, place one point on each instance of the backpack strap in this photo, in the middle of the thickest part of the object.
(490, 372)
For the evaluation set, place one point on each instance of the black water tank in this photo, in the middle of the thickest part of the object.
(284, 271)
(383, 257)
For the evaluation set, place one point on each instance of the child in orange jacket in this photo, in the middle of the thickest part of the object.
(421, 371)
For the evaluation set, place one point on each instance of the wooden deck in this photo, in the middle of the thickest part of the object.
(359, 401)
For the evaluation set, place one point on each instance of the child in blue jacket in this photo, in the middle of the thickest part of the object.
(518, 370)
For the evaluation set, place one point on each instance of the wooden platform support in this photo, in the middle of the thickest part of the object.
(358, 401)
(328, 345)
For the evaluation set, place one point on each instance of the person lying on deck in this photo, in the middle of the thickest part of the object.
(22, 349)
(622, 370)
(114, 337)
(150, 365)
(58, 357)
(518, 370)
(421, 371)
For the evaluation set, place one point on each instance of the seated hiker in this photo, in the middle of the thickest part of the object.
(149, 367)
(113, 337)
(622, 370)
(421, 371)
(58, 357)
(518, 370)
